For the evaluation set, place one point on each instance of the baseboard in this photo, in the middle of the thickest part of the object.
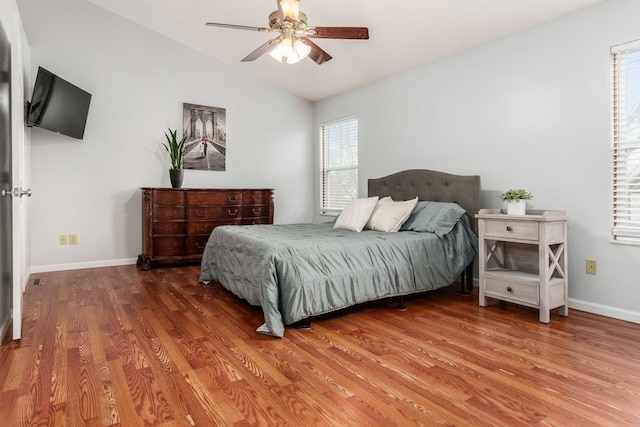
(82, 265)
(605, 310)
(599, 309)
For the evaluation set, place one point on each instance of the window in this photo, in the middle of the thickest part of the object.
(626, 142)
(338, 164)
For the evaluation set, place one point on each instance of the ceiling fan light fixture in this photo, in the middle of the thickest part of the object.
(290, 52)
(290, 9)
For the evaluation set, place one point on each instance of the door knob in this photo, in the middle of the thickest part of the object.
(19, 192)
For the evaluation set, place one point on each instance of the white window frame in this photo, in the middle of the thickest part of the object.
(326, 205)
(625, 145)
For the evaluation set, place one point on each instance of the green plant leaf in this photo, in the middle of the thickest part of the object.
(175, 148)
(515, 194)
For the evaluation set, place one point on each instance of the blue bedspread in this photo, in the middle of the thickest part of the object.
(301, 270)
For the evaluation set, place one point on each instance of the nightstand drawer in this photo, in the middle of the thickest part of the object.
(518, 291)
(523, 230)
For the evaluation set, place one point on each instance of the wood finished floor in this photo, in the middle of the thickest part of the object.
(119, 346)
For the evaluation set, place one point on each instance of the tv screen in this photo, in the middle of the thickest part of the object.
(58, 106)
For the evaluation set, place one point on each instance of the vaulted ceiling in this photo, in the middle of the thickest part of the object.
(403, 34)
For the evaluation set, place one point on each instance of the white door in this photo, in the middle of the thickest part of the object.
(6, 205)
(13, 236)
(20, 185)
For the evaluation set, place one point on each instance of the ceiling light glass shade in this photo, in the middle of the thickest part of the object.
(290, 53)
(289, 9)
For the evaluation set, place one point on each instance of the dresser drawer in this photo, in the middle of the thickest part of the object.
(164, 213)
(206, 227)
(255, 221)
(256, 197)
(255, 211)
(168, 198)
(518, 291)
(169, 227)
(214, 198)
(213, 213)
(169, 246)
(523, 230)
(196, 244)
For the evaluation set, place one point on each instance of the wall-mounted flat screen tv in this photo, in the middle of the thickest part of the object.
(58, 106)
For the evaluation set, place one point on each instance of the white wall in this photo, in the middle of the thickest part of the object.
(528, 111)
(139, 80)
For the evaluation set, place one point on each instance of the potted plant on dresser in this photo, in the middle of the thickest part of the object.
(175, 148)
(516, 200)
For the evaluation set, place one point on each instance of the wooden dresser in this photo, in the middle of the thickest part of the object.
(176, 222)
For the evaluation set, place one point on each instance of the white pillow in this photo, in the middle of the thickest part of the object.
(389, 216)
(356, 214)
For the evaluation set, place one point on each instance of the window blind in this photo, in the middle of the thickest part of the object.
(338, 164)
(626, 142)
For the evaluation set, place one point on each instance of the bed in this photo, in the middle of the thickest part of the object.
(297, 271)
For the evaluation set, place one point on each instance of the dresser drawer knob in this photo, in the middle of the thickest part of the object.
(256, 211)
(509, 228)
(200, 214)
(232, 199)
(232, 212)
(257, 198)
(170, 213)
(509, 289)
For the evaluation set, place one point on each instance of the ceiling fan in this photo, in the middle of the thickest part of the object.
(294, 44)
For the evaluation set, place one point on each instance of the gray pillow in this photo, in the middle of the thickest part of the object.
(433, 217)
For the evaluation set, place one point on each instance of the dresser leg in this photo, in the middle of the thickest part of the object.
(144, 262)
(564, 310)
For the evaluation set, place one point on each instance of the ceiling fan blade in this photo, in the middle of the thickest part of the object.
(318, 55)
(288, 10)
(358, 33)
(237, 27)
(261, 50)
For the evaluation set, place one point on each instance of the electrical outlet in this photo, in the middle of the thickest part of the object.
(592, 266)
(63, 239)
(73, 239)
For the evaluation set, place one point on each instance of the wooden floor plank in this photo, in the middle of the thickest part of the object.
(119, 346)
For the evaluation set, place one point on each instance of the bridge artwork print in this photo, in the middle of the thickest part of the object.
(206, 132)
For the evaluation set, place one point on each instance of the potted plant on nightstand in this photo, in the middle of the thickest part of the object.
(516, 201)
(175, 149)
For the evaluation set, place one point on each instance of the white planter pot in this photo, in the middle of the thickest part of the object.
(517, 207)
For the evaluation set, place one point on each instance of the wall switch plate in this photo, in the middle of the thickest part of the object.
(591, 266)
(73, 239)
(63, 239)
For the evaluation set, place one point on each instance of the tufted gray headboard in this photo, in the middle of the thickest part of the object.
(433, 186)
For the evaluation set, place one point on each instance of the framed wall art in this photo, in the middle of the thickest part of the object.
(206, 132)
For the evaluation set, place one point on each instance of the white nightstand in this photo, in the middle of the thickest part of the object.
(523, 259)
